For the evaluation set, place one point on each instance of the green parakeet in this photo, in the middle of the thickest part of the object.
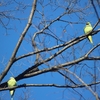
(12, 82)
(88, 28)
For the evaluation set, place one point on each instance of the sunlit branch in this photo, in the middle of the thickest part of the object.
(92, 49)
(26, 73)
(11, 61)
(73, 41)
(85, 57)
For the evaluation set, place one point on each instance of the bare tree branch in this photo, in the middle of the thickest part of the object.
(49, 85)
(95, 94)
(19, 42)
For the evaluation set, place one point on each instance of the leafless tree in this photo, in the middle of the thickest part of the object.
(54, 30)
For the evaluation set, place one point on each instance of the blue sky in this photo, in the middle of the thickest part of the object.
(9, 38)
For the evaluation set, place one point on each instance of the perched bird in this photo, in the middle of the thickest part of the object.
(12, 82)
(87, 29)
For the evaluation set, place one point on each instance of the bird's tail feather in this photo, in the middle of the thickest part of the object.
(12, 98)
(90, 39)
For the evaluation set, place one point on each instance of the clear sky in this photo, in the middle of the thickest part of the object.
(9, 37)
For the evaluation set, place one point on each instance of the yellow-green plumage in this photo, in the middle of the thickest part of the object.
(12, 82)
(88, 28)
